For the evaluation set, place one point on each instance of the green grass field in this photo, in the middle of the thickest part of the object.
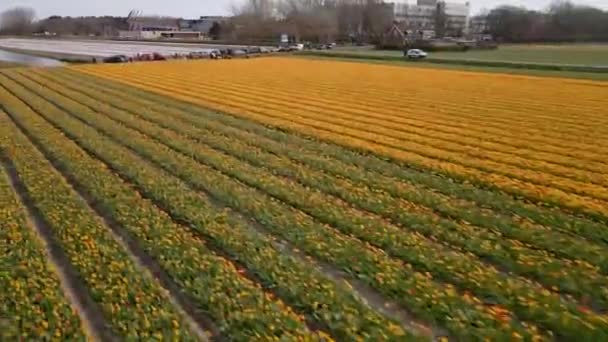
(574, 56)
(571, 54)
(513, 71)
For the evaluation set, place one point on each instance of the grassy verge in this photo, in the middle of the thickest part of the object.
(572, 54)
(455, 65)
(589, 54)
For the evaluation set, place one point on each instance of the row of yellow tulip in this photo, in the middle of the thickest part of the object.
(465, 271)
(383, 119)
(334, 306)
(133, 304)
(430, 117)
(563, 244)
(386, 115)
(583, 278)
(211, 281)
(410, 101)
(498, 114)
(450, 147)
(453, 200)
(570, 154)
(587, 198)
(393, 278)
(501, 94)
(329, 120)
(32, 303)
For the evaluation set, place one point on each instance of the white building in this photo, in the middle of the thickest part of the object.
(421, 16)
(156, 27)
(458, 17)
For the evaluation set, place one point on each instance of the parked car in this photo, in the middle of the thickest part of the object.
(254, 49)
(116, 59)
(215, 54)
(158, 57)
(296, 47)
(237, 52)
(415, 54)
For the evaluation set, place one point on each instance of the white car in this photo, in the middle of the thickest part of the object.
(416, 54)
(296, 47)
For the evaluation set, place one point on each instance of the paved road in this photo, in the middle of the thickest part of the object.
(20, 58)
(102, 48)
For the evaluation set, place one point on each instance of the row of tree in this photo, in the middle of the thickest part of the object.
(367, 20)
(329, 20)
(311, 20)
(563, 21)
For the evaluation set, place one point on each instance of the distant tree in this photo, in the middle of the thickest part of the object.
(378, 17)
(18, 20)
(215, 31)
(563, 21)
(514, 24)
(573, 22)
(440, 19)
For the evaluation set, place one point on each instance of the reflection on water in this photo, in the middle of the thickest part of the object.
(7, 56)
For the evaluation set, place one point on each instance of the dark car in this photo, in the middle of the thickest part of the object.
(116, 59)
(158, 57)
(237, 52)
(254, 49)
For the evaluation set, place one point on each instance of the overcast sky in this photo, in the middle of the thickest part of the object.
(196, 8)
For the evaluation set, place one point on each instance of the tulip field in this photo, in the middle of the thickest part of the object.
(286, 199)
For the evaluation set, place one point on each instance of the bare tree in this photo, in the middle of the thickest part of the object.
(311, 20)
(18, 20)
(257, 8)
